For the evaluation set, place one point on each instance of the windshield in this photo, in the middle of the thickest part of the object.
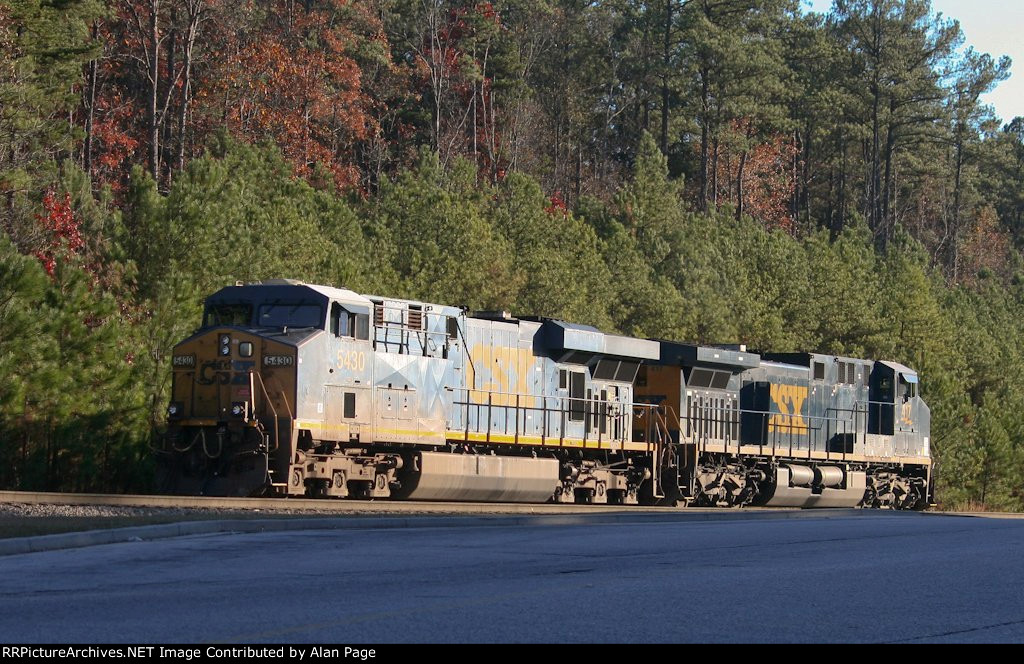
(292, 315)
(227, 314)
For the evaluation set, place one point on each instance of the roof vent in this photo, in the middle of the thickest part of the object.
(493, 315)
(282, 282)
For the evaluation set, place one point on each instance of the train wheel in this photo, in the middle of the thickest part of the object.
(318, 488)
(584, 496)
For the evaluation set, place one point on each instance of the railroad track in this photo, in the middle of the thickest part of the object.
(372, 507)
(323, 505)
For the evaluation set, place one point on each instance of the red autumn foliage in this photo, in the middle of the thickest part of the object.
(294, 78)
(317, 79)
(986, 248)
(113, 143)
(767, 174)
(280, 71)
(557, 206)
(451, 70)
(63, 235)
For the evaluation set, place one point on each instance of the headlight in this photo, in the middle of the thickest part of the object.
(225, 344)
(238, 409)
(175, 410)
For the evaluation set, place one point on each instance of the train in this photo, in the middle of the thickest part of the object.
(295, 389)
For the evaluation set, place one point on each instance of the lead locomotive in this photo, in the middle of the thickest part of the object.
(292, 389)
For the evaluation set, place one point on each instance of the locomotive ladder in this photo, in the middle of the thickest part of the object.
(660, 445)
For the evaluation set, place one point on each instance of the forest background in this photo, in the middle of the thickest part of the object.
(705, 170)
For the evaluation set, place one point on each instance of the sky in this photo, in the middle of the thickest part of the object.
(995, 27)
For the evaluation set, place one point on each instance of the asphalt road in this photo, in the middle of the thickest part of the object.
(873, 578)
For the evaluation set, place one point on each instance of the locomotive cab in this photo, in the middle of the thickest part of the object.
(235, 401)
(898, 418)
(891, 388)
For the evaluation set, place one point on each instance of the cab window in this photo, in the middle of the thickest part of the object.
(363, 326)
(227, 314)
(342, 322)
(291, 315)
(885, 389)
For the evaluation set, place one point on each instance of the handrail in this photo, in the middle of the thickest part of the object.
(270, 402)
(403, 324)
(516, 403)
(817, 430)
(655, 422)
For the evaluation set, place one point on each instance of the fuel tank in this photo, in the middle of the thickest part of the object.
(480, 477)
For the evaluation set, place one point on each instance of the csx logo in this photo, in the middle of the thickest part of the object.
(502, 373)
(220, 372)
(789, 399)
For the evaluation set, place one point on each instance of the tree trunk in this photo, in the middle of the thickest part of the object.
(874, 209)
(843, 170)
(874, 189)
(166, 130)
(666, 65)
(194, 17)
(957, 184)
(714, 171)
(579, 174)
(739, 185)
(93, 76)
(887, 189)
(704, 138)
(154, 79)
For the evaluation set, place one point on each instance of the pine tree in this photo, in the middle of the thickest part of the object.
(42, 48)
